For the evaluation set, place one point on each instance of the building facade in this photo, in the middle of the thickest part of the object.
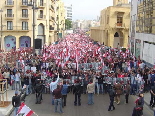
(69, 12)
(142, 30)
(114, 25)
(60, 18)
(18, 19)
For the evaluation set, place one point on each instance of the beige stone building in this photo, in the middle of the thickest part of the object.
(60, 18)
(17, 22)
(114, 25)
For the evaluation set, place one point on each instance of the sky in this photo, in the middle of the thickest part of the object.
(87, 9)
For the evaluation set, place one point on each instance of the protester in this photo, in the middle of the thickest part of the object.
(91, 90)
(112, 94)
(53, 86)
(77, 93)
(64, 92)
(16, 102)
(57, 98)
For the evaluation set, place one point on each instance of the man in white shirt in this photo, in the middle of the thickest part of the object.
(53, 86)
(17, 80)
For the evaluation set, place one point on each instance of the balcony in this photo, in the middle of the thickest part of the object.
(9, 16)
(24, 17)
(9, 3)
(41, 5)
(41, 16)
(24, 4)
(119, 25)
(51, 28)
(51, 7)
(15, 29)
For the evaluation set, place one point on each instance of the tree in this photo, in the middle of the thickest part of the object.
(68, 24)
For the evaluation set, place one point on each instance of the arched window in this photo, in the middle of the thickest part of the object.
(116, 35)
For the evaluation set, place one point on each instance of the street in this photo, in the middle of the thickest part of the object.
(100, 108)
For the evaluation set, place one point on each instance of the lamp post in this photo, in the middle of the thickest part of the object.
(33, 5)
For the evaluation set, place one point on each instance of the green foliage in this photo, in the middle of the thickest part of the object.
(68, 24)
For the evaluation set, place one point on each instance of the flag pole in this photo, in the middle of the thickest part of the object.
(35, 114)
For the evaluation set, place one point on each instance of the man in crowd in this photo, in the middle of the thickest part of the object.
(112, 94)
(57, 98)
(39, 89)
(91, 90)
(53, 86)
(64, 93)
(77, 92)
(16, 102)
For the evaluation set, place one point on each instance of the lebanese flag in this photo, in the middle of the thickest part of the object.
(25, 110)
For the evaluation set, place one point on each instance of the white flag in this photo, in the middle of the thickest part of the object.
(24, 111)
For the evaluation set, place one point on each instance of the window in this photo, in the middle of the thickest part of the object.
(24, 25)
(9, 25)
(41, 13)
(24, 13)
(119, 19)
(24, 2)
(41, 2)
(9, 2)
(9, 13)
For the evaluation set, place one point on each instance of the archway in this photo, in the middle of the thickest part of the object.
(41, 33)
(118, 41)
(9, 42)
(24, 41)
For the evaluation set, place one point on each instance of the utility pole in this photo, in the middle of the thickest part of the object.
(33, 4)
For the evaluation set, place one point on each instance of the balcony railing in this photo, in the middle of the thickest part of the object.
(51, 28)
(25, 15)
(9, 15)
(41, 5)
(52, 7)
(15, 28)
(119, 25)
(41, 16)
(9, 3)
(23, 3)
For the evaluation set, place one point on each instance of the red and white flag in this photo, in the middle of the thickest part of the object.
(26, 111)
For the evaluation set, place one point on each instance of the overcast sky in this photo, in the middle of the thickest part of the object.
(87, 9)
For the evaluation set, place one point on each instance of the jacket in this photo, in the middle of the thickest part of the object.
(91, 87)
(77, 89)
(64, 90)
(118, 89)
(16, 101)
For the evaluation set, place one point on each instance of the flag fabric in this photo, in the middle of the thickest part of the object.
(24, 110)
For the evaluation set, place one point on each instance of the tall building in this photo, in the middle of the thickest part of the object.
(60, 18)
(114, 25)
(18, 19)
(142, 30)
(69, 12)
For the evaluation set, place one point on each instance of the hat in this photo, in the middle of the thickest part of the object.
(16, 92)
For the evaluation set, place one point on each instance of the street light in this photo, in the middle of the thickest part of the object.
(33, 5)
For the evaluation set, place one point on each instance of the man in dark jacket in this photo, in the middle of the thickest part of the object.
(77, 91)
(16, 102)
(112, 94)
(39, 89)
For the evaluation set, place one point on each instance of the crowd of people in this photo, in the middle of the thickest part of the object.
(102, 70)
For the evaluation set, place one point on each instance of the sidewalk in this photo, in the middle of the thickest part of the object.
(5, 111)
